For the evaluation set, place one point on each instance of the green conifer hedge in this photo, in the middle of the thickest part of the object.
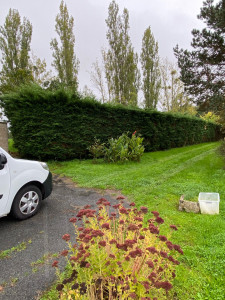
(59, 125)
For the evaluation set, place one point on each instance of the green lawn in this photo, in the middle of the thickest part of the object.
(157, 182)
(12, 148)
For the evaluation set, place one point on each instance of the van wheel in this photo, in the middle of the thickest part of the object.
(26, 203)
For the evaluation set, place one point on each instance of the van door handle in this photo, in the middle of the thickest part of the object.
(1, 196)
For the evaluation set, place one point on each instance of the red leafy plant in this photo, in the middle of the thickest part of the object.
(117, 256)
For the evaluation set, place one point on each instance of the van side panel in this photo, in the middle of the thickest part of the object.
(4, 188)
(19, 181)
(21, 172)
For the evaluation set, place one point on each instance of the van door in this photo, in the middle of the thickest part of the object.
(4, 185)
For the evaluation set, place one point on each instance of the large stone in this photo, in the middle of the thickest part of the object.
(188, 206)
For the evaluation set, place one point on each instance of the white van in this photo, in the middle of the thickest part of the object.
(23, 184)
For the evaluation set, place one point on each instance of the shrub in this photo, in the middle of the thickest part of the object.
(210, 117)
(60, 125)
(124, 148)
(117, 257)
(97, 150)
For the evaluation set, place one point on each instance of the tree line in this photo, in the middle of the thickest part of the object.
(118, 78)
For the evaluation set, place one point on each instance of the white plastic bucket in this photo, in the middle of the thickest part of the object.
(209, 203)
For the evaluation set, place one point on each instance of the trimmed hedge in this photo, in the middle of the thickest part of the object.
(58, 125)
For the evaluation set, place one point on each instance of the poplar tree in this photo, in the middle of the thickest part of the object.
(150, 69)
(172, 96)
(120, 60)
(97, 77)
(15, 39)
(65, 61)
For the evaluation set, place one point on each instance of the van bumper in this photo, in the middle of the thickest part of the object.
(47, 184)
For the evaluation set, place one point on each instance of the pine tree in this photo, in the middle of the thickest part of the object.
(120, 61)
(203, 68)
(65, 61)
(150, 69)
(15, 39)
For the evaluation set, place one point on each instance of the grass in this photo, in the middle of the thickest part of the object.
(20, 247)
(41, 261)
(158, 181)
(12, 148)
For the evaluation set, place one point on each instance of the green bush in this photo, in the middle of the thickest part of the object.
(60, 125)
(124, 148)
(97, 150)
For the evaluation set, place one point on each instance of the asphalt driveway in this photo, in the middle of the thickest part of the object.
(33, 244)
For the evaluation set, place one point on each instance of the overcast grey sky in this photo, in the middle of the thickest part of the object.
(171, 22)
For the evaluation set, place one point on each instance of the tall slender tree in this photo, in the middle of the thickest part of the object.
(150, 69)
(40, 74)
(15, 39)
(65, 61)
(172, 96)
(97, 77)
(120, 60)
